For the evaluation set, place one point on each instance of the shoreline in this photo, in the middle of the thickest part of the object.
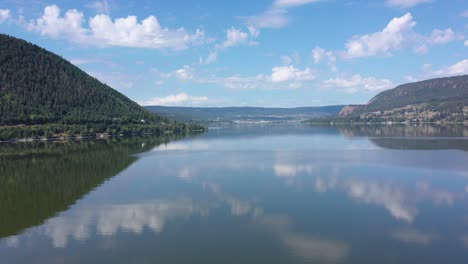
(100, 136)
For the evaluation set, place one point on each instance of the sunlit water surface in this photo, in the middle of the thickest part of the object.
(241, 194)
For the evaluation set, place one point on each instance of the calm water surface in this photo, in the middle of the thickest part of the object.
(243, 194)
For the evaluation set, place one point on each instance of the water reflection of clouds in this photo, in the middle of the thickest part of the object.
(399, 198)
(413, 236)
(182, 146)
(308, 247)
(107, 220)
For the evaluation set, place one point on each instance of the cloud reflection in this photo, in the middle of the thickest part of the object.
(310, 248)
(413, 236)
(109, 219)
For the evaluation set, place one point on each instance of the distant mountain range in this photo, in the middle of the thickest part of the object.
(244, 114)
(435, 100)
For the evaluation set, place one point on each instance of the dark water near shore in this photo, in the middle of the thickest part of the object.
(242, 194)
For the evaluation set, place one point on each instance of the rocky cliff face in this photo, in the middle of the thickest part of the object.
(348, 110)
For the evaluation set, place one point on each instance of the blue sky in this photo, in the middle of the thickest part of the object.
(282, 53)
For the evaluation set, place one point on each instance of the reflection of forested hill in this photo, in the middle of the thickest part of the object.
(404, 130)
(38, 180)
(421, 144)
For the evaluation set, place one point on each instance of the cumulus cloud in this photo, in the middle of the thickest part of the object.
(459, 68)
(274, 18)
(358, 83)
(442, 36)
(398, 33)
(294, 58)
(101, 30)
(234, 37)
(100, 7)
(392, 37)
(176, 100)
(405, 3)
(212, 57)
(292, 3)
(290, 73)
(185, 73)
(5, 14)
(319, 54)
(276, 15)
(281, 77)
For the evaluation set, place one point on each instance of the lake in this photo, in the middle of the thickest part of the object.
(240, 194)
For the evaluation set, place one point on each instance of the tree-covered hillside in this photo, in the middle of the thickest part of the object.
(37, 87)
(435, 100)
(449, 89)
(43, 95)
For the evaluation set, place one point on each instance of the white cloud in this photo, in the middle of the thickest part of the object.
(358, 83)
(426, 66)
(212, 57)
(398, 33)
(253, 31)
(282, 77)
(102, 7)
(274, 18)
(466, 43)
(392, 37)
(234, 37)
(103, 31)
(5, 14)
(290, 73)
(319, 54)
(442, 36)
(429, 71)
(405, 3)
(185, 73)
(459, 68)
(276, 15)
(240, 82)
(176, 100)
(292, 3)
(294, 58)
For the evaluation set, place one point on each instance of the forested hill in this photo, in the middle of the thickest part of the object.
(39, 87)
(434, 100)
(449, 89)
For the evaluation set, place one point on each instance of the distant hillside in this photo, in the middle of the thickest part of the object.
(37, 87)
(442, 99)
(448, 89)
(244, 114)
